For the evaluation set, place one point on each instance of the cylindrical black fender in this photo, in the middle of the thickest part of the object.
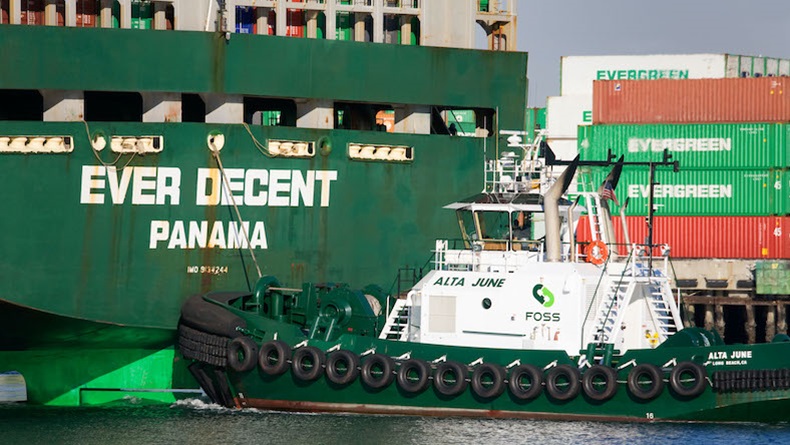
(645, 381)
(242, 354)
(307, 364)
(342, 367)
(413, 375)
(525, 382)
(600, 382)
(449, 379)
(377, 371)
(273, 357)
(688, 379)
(562, 382)
(488, 380)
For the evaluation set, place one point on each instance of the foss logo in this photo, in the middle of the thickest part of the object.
(543, 296)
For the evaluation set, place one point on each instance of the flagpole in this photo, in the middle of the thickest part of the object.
(650, 220)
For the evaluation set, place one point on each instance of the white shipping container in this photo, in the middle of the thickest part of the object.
(564, 149)
(578, 72)
(565, 113)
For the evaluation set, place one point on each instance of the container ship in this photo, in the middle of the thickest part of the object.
(155, 150)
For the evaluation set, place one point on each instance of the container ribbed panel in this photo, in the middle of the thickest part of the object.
(708, 237)
(672, 101)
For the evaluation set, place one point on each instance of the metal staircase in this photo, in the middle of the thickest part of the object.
(663, 309)
(619, 289)
(397, 324)
(610, 312)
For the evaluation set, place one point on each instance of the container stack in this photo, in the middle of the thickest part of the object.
(731, 197)
(574, 106)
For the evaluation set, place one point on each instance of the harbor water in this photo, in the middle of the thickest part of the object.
(194, 422)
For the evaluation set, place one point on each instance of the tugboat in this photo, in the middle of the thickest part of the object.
(515, 319)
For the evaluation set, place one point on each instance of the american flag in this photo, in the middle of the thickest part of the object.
(608, 191)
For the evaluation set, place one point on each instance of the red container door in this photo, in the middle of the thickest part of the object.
(742, 237)
(672, 101)
(4, 17)
(32, 12)
(60, 12)
(295, 23)
(87, 13)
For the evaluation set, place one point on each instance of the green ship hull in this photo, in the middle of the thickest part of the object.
(742, 383)
(100, 249)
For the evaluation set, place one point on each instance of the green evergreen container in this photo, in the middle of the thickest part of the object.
(772, 277)
(698, 146)
(757, 192)
(142, 15)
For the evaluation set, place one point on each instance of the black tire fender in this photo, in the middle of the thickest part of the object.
(680, 374)
(413, 375)
(377, 371)
(497, 376)
(339, 361)
(654, 378)
(554, 382)
(449, 378)
(242, 354)
(516, 386)
(307, 364)
(600, 382)
(273, 357)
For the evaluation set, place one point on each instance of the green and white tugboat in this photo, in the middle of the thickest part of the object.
(515, 319)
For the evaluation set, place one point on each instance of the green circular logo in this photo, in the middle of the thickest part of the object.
(543, 295)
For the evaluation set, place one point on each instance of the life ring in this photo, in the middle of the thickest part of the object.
(645, 381)
(449, 379)
(342, 367)
(597, 252)
(413, 375)
(562, 382)
(687, 379)
(488, 380)
(600, 383)
(242, 353)
(273, 357)
(525, 382)
(307, 363)
(376, 372)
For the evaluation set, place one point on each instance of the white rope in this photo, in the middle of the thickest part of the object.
(238, 214)
(96, 152)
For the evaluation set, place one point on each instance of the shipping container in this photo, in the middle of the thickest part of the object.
(670, 101)
(772, 277)
(294, 22)
(577, 73)
(697, 146)
(564, 149)
(246, 19)
(142, 15)
(32, 12)
(461, 121)
(87, 13)
(4, 16)
(565, 113)
(759, 192)
(743, 237)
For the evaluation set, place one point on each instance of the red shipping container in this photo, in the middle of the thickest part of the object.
(745, 237)
(4, 17)
(60, 11)
(32, 12)
(295, 23)
(673, 101)
(272, 23)
(87, 13)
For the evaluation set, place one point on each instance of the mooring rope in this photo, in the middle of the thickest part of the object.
(238, 213)
(96, 152)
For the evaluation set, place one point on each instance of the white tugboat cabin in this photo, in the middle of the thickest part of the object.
(516, 279)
